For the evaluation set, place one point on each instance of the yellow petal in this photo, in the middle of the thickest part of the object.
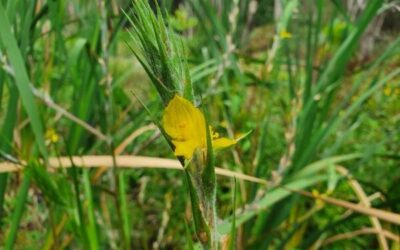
(185, 124)
(185, 149)
(222, 143)
(182, 120)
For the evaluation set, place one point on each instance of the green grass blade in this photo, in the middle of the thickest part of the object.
(317, 166)
(46, 183)
(189, 241)
(91, 221)
(79, 209)
(308, 119)
(18, 210)
(337, 64)
(125, 216)
(232, 239)
(21, 80)
(270, 198)
(6, 137)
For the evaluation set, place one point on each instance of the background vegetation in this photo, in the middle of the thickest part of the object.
(316, 82)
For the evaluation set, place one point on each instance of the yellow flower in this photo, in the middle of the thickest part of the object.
(51, 136)
(318, 201)
(387, 91)
(185, 124)
(285, 34)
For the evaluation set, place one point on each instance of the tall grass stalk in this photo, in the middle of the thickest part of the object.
(162, 54)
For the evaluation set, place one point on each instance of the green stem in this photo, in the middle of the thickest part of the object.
(204, 205)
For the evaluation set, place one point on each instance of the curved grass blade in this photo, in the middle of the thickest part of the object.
(21, 79)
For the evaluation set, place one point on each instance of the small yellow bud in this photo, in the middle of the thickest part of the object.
(285, 34)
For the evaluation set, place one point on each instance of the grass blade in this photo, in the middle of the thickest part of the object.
(21, 80)
(18, 210)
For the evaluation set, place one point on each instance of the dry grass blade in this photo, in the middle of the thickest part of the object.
(363, 231)
(133, 136)
(124, 161)
(50, 103)
(355, 185)
(381, 214)
(121, 147)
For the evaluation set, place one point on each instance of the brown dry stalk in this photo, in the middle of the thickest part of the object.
(124, 161)
(380, 214)
(121, 147)
(51, 104)
(362, 231)
(355, 185)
